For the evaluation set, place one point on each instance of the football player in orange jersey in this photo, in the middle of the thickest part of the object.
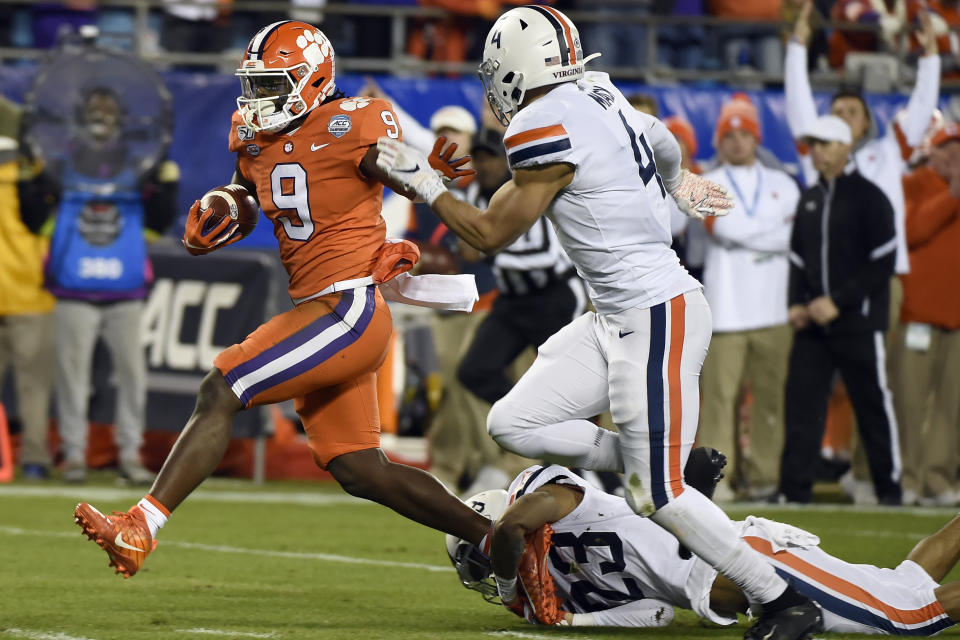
(308, 153)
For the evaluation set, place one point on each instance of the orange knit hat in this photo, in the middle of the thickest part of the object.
(682, 129)
(739, 113)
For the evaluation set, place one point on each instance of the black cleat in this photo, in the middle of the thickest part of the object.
(793, 623)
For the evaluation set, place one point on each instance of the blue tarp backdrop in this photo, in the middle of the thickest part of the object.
(204, 102)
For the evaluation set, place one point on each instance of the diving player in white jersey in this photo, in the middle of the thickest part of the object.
(601, 172)
(611, 568)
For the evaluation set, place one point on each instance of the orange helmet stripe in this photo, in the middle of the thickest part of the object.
(566, 32)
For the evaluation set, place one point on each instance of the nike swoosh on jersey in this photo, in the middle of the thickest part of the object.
(317, 147)
(120, 543)
(624, 334)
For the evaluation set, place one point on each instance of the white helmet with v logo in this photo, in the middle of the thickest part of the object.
(529, 47)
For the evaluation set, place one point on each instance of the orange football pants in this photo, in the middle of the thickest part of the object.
(324, 355)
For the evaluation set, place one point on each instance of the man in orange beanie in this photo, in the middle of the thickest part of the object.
(745, 280)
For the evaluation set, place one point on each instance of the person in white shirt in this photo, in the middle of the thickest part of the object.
(745, 281)
(602, 173)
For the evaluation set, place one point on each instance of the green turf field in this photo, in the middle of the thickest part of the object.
(300, 561)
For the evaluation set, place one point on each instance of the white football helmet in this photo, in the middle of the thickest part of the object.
(528, 47)
(472, 565)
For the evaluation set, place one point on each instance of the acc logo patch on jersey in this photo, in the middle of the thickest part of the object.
(288, 147)
(253, 149)
(339, 125)
(245, 133)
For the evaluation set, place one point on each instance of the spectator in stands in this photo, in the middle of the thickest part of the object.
(623, 40)
(203, 26)
(539, 293)
(99, 271)
(456, 37)
(945, 20)
(645, 102)
(927, 353)
(842, 254)
(51, 19)
(680, 46)
(26, 309)
(888, 16)
(745, 281)
(750, 47)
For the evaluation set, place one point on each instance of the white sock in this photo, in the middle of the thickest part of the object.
(155, 514)
(708, 532)
(574, 443)
(606, 454)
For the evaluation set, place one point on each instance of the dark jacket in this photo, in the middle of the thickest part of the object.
(844, 246)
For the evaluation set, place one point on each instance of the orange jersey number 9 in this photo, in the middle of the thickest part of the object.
(393, 131)
(288, 186)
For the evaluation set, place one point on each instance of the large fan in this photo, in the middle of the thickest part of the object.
(53, 105)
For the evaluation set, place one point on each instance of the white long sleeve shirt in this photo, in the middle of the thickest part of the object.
(746, 270)
(879, 159)
(414, 133)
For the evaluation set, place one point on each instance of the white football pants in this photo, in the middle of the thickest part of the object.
(644, 365)
(641, 364)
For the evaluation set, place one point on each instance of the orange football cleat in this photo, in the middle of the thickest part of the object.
(125, 536)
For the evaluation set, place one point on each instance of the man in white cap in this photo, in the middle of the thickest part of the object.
(842, 255)
(878, 158)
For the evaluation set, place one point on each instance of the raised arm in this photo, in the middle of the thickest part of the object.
(923, 98)
(801, 109)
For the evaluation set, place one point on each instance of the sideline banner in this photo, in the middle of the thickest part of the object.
(197, 307)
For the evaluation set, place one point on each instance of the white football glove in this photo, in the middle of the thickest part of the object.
(698, 197)
(410, 167)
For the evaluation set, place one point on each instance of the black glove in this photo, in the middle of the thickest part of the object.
(703, 471)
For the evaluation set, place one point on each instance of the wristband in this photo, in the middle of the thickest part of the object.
(507, 588)
(430, 187)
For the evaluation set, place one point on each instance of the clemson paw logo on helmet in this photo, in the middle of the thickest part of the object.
(315, 47)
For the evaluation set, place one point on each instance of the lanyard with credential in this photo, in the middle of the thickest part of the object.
(740, 198)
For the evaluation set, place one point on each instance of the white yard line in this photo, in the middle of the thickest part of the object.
(266, 553)
(227, 632)
(107, 494)
(31, 634)
(505, 633)
(741, 507)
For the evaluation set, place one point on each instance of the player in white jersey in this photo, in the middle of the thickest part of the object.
(602, 172)
(611, 568)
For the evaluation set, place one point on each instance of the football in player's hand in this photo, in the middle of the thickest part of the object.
(234, 201)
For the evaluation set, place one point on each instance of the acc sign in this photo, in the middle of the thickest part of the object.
(179, 322)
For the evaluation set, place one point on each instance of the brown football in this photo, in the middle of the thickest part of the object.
(235, 201)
